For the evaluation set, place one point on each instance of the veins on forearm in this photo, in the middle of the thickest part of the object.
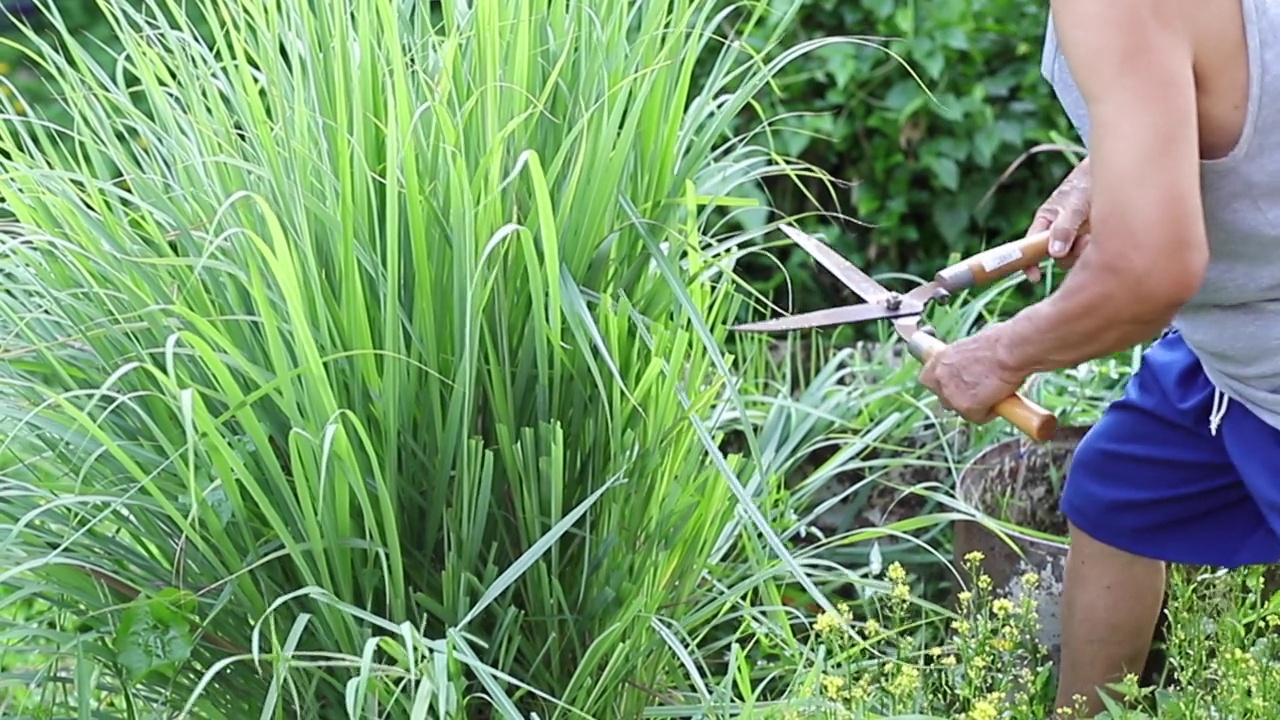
(1090, 316)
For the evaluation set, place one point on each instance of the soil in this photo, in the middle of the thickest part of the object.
(1020, 483)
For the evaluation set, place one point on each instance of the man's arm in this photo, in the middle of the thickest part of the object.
(1132, 61)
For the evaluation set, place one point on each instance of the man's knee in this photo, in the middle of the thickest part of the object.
(1086, 549)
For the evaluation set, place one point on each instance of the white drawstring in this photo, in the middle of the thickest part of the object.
(1219, 410)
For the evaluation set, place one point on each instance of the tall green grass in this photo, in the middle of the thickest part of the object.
(362, 360)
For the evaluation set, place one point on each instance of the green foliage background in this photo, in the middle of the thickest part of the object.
(915, 168)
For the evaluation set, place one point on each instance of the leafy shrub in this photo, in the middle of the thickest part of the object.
(916, 141)
(372, 368)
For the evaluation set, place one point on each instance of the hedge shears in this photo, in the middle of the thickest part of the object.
(905, 310)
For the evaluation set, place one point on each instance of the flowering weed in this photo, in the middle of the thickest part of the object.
(892, 655)
(901, 656)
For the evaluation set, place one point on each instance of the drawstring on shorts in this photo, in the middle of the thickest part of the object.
(1219, 411)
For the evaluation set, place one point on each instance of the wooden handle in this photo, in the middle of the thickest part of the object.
(995, 263)
(1034, 421)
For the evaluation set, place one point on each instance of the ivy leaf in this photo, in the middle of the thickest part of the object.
(153, 636)
(945, 171)
(954, 38)
(880, 8)
(902, 94)
(951, 221)
(986, 142)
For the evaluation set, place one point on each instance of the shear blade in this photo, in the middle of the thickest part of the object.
(848, 273)
(831, 316)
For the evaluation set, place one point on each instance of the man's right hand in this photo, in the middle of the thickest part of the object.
(1065, 214)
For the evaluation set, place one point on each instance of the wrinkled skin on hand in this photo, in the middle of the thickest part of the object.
(967, 376)
(1065, 214)
(969, 379)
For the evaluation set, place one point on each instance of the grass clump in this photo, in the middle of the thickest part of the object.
(366, 364)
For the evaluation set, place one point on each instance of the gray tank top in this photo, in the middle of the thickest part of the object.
(1233, 322)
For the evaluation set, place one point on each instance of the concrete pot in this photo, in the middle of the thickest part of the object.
(1019, 482)
(1014, 481)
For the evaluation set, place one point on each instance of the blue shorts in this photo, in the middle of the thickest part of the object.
(1153, 479)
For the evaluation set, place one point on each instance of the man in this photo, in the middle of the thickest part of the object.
(1178, 102)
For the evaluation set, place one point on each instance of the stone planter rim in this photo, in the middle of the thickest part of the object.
(1067, 435)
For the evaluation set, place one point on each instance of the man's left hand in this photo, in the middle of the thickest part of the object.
(968, 377)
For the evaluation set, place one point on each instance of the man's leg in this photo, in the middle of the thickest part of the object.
(1157, 480)
(1110, 605)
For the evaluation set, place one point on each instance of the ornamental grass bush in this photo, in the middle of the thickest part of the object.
(366, 364)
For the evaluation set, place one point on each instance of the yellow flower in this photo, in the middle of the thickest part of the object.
(975, 557)
(5, 68)
(984, 710)
(901, 591)
(827, 623)
(831, 686)
(1002, 607)
(965, 597)
(949, 661)
(896, 572)
(905, 682)
(961, 626)
(871, 627)
(1030, 580)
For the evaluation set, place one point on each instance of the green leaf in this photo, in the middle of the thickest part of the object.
(945, 171)
(902, 94)
(152, 637)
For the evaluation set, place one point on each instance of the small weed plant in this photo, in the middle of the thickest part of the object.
(894, 655)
